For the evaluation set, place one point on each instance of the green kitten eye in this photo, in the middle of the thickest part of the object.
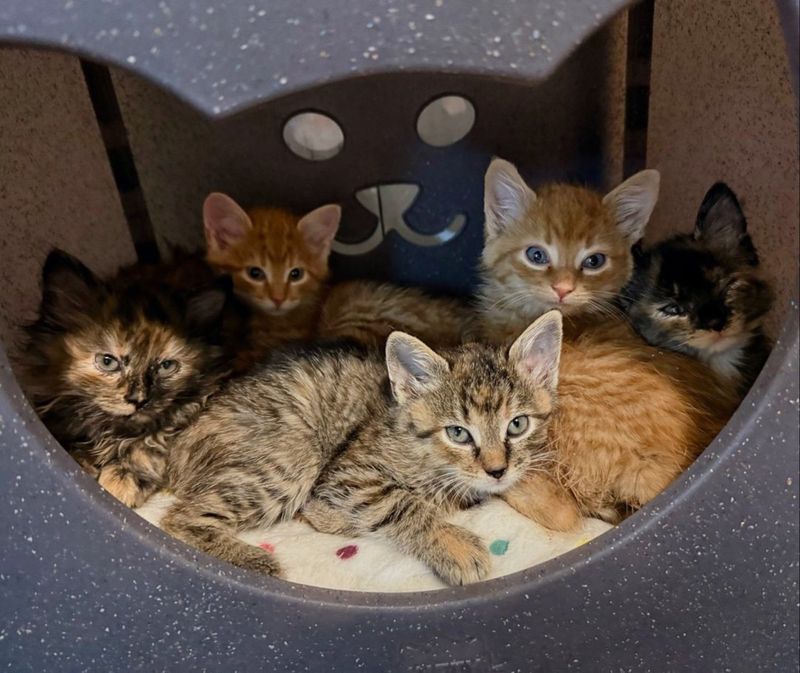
(107, 363)
(295, 274)
(167, 367)
(672, 309)
(256, 273)
(458, 434)
(517, 426)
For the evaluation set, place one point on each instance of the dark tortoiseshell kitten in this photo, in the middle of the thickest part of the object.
(702, 294)
(116, 368)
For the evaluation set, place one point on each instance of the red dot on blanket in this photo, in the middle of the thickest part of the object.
(347, 552)
(266, 546)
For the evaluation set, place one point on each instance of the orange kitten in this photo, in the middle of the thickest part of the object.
(562, 247)
(630, 418)
(368, 312)
(277, 260)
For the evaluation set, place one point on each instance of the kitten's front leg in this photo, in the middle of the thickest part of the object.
(133, 478)
(418, 527)
(542, 500)
(122, 484)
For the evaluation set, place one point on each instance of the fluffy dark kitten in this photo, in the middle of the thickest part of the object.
(702, 294)
(116, 368)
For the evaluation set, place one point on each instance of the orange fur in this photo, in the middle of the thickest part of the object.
(569, 224)
(278, 262)
(630, 418)
(369, 312)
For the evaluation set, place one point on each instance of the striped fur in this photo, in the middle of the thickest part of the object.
(328, 432)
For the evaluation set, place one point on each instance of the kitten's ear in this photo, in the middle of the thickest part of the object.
(224, 221)
(536, 354)
(69, 288)
(633, 202)
(413, 367)
(721, 223)
(204, 307)
(506, 197)
(319, 227)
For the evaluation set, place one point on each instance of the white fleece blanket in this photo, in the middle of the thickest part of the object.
(372, 563)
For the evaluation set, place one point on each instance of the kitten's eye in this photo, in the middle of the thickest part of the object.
(107, 363)
(595, 261)
(295, 274)
(537, 256)
(517, 426)
(167, 367)
(256, 273)
(672, 309)
(458, 434)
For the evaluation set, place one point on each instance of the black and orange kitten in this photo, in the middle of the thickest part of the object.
(116, 368)
(702, 294)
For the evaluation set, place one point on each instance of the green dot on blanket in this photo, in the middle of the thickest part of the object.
(499, 547)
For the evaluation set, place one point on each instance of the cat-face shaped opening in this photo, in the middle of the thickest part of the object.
(126, 354)
(702, 291)
(562, 247)
(277, 260)
(481, 414)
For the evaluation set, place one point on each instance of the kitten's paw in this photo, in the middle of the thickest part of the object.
(460, 557)
(259, 560)
(122, 485)
(84, 459)
(545, 502)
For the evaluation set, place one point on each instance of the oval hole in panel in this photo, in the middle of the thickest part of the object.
(313, 136)
(446, 120)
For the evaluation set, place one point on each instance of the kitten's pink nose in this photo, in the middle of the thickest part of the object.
(562, 289)
(277, 300)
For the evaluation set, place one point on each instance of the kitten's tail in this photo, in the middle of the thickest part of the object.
(215, 535)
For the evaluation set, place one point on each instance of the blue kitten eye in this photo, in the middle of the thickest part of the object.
(167, 367)
(537, 256)
(517, 426)
(595, 261)
(458, 434)
(671, 309)
(107, 363)
(295, 274)
(256, 273)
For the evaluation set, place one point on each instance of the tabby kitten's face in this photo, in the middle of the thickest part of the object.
(120, 357)
(479, 414)
(701, 293)
(562, 247)
(277, 261)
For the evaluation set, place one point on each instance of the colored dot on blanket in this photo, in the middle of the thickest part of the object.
(347, 552)
(499, 547)
(266, 546)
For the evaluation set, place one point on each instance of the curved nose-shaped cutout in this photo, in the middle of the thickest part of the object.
(445, 121)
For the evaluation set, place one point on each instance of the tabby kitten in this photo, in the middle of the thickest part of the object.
(702, 294)
(115, 369)
(325, 429)
(562, 247)
(278, 263)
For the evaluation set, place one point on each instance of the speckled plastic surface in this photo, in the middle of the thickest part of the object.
(703, 579)
(223, 55)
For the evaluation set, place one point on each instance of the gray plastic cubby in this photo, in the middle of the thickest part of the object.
(704, 578)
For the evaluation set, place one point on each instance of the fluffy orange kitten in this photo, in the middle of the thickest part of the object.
(277, 260)
(279, 264)
(630, 418)
(562, 247)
